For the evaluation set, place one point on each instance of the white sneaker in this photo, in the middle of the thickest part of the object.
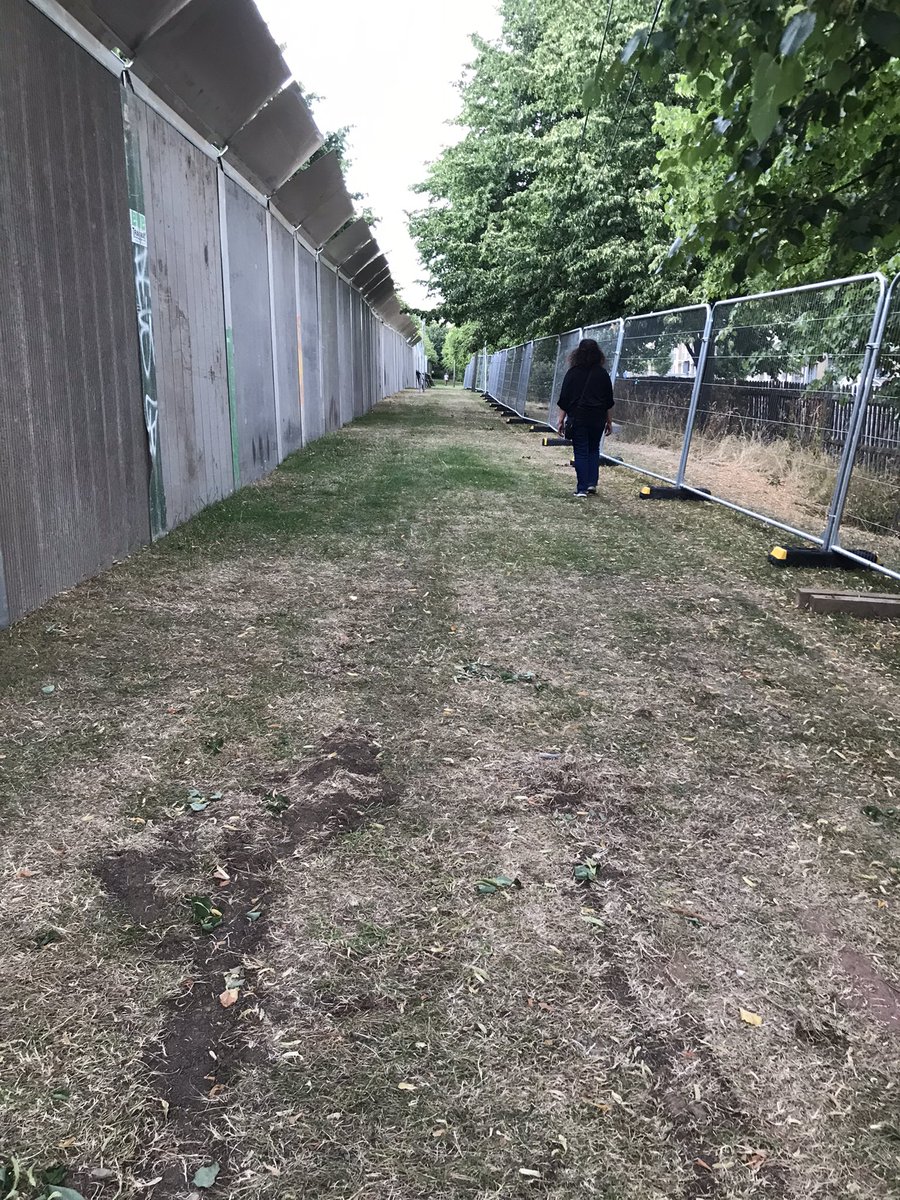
(580, 495)
(592, 491)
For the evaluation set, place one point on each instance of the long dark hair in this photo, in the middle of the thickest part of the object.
(587, 354)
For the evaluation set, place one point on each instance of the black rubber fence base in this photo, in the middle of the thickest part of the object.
(671, 493)
(555, 441)
(803, 556)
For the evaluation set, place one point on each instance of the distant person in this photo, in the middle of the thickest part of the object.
(585, 399)
(446, 377)
(420, 382)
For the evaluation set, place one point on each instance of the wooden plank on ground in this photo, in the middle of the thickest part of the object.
(857, 604)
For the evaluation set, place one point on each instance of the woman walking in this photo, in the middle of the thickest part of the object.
(585, 399)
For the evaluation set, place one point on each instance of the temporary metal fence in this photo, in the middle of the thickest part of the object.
(482, 371)
(866, 503)
(566, 344)
(654, 373)
(539, 386)
(262, 313)
(784, 406)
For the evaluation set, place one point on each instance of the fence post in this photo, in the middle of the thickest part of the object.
(617, 353)
(695, 398)
(273, 333)
(613, 374)
(4, 596)
(553, 384)
(858, 414)
(525, 376)
(140, 258)
(230, 376)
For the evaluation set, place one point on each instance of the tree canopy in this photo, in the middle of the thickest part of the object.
(781, 153)
(619, 159)
(536, 223)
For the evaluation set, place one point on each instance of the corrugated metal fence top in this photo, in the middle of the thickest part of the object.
(73, 457)
(279, 139)
(215, 63)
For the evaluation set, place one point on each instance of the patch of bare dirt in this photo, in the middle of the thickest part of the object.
(878, 997)
(212, 1028)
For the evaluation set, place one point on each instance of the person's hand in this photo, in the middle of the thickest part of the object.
(561, 427)
(608, 426)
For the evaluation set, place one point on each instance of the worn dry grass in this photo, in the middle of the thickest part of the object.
(409, 661)
(780, 480)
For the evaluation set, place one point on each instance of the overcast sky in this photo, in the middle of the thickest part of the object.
(389, 69)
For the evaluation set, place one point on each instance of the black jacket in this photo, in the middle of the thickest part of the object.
(586, 393)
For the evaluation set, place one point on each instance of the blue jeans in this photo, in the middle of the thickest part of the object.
(586, 444)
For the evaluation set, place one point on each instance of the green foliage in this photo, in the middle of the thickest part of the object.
(780, 152)
(459, 346)
(430, 352)
(528, 228)
(437, 333)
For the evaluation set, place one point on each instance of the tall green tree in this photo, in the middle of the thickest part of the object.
(537, 222)
(459, 346)
(437, 332)
(780, 157)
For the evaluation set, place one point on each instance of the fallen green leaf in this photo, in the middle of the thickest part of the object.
(488, 886)
(64, 1193)
(586, 871)
(204, 913)
(48, 689)
(205, 1177)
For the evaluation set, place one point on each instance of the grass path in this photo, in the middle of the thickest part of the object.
(249, 782)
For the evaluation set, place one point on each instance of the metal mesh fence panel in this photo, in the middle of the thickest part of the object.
(654, 383)
(505, 365)
(508, 375)
(493, 366)
(607, 338)
(774, 403)
(469, 375)
(871, 518)
(481, 378)
(566, 343)
(524, 377)
(540, 381)
(506, 371)
(512, 383)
